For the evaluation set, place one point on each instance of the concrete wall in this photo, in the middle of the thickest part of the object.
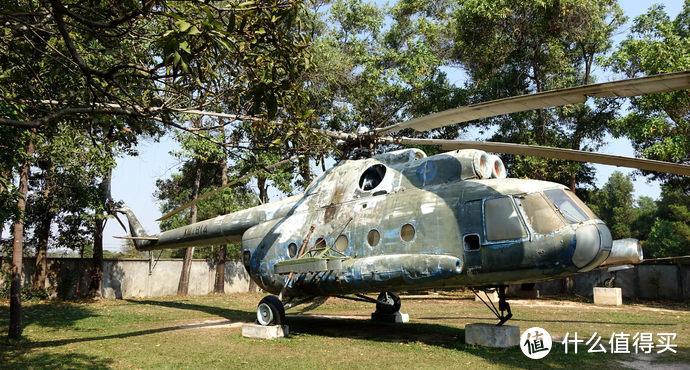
(131, 278)
(643, 281)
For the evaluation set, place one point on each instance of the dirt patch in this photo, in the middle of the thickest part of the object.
(566, 304)
(643, 361)
(213, 324)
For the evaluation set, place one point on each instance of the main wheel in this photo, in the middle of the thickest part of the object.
(609, 283)
(392, 303)
(270, 311)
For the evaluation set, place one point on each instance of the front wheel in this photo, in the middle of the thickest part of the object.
(389, 303)
(270, 311)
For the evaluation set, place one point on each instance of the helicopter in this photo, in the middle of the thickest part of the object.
(405, 221)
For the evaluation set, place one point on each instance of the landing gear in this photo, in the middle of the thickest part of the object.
(270, 311)
(503, 312)
(387, 303)
(610, 282)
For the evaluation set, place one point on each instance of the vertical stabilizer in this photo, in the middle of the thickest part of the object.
(139, 237)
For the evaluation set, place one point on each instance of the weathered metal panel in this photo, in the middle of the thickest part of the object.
(311, 265)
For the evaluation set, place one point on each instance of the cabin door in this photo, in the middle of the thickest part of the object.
(472, 230)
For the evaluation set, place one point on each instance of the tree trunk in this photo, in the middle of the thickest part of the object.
(305, 170)
(80, 273)
(219, 286)
(41, 264)
(96, 282)
(573, 181)
(263, 189)
(15, 330)
(183, 286)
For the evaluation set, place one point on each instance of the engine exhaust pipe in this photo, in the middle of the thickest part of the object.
(624, 252)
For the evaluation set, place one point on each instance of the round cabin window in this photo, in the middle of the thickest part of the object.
(373, 238)
(407, 232)
(319, 244)
(372, 177)
(292, 250)
(341, 243)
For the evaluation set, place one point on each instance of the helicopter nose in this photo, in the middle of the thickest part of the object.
(592, 246)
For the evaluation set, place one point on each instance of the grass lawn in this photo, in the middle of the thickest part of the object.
(205, 331)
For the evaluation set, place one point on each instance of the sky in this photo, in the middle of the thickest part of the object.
(135, 177)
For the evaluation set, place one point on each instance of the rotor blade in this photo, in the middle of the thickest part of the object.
(136, 237)
(206, 195)
(549, 152)
(665, 258)
(554, 98)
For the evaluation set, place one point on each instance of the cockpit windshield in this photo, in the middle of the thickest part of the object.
(570, 206)
(539, 213)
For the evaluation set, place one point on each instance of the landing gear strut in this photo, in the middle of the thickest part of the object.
(503, 312)
(387, 303)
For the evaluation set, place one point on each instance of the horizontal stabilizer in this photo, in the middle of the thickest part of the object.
(136, 237)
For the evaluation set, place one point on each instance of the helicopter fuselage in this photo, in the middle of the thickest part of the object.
(402, 222)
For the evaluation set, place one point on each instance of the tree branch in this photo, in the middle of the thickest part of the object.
(146, 6)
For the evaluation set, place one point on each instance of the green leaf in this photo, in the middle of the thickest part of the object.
(182, 25)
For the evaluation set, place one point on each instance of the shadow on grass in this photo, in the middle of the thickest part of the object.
(635, 323)
(59, 315)
(435, 298)
(16, 356)
(230, 314)
(443, 336)
(56, 315)
(668, 304)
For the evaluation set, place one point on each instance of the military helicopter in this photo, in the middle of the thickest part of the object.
(402, 221)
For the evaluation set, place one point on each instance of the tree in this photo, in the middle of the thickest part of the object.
(514, 47)
(378, 65)
(15, 328)
(148, 59)
(614, 205)
(658, 125)
(178, 190)
(670, 234)
(112, 69)
(645, 216)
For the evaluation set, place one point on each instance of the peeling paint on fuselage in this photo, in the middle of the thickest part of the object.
(430, 194)
(434, 211)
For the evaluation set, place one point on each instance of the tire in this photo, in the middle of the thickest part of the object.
(270, 311)
(609, 283)
(392, 300)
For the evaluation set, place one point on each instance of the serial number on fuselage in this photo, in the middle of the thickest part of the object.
(192, 231)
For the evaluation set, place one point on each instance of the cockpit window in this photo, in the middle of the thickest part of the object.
(372, 177)
(570, 206)
(501, 220)
(539, 214)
